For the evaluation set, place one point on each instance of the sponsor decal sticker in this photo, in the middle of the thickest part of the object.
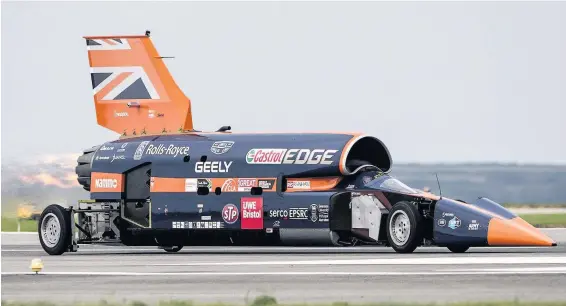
(245, 184)
(441, 222)
(323, 212)
(351, 186)
(229, 186)
(204, 183)
(221, 147)
(123, 147)
(204, 225)
(191, 185)
(252, 213)
(276, 223)
(105, 148)
(172, 149)
(106, 183)
(117, 157)
(200, 207)
(298, 213)
(197, 224)
(454, 223)
(290, 156)
(446, 214)
(230, 213)
(299, 184)
(139, 151)
(279, 213)
(265, 184)
(152, 114)
(366, 179)
(102, 158)
(474, 226)
(205, 218)
(121, 114)
(212, 167)
(314, 212)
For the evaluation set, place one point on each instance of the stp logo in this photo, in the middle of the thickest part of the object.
(230, 213)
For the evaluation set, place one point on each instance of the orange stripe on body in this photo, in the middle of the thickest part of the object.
(166, 184)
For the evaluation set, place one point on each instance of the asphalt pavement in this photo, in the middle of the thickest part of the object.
(293, 275)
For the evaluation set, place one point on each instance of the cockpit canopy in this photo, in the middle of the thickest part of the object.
(380, 181)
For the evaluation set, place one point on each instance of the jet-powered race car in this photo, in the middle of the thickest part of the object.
(164, 184)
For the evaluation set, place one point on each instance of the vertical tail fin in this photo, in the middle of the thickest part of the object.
(134, 93)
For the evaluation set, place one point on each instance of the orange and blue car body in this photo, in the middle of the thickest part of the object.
(163, 183)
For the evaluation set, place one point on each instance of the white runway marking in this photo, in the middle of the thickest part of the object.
(272, 249)
(390, 261)
(299, 273)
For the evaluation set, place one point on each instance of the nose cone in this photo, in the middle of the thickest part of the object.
(515, 232)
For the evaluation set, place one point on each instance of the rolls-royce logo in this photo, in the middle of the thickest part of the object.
(221, 147)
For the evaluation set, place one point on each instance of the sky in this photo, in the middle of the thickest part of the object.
(436, 81)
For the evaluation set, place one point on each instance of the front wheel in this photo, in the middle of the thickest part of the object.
(172, 249)
(54, 229)
(458, 248)
(404, 227)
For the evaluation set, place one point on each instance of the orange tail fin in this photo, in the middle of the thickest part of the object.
(134, 93)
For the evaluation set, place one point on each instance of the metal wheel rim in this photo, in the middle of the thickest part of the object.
(50, 230)
(400, 227)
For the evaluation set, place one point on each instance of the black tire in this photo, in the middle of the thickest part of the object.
(415, 219)
(173, 249)
(458, 248)
(64, 232)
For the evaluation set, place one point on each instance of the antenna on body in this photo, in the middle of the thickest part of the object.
(437, 181)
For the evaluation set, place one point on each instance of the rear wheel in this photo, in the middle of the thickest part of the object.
(54, 229)
(458, 248)
(404, 227)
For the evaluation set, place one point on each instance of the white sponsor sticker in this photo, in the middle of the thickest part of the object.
(191, 185)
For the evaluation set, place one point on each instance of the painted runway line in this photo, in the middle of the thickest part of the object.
(389, 261)
(274, 249)
(298, 273)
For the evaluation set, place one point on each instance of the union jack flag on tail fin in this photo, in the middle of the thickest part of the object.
(134, 92)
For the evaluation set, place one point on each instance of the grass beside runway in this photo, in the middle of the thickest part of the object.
(11, 225)
(271, 301)
(545, 220)
(538, 220)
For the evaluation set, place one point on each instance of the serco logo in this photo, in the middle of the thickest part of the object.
(290, 156)
(230, 213)
(106, 183)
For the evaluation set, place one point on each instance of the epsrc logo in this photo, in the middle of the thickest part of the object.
(290, 156)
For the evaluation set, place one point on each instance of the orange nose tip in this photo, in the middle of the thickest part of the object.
(515, 232)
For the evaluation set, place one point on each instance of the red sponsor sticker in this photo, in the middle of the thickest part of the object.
(252, 213)
(230, 213)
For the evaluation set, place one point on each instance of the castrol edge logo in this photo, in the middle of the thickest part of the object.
(106, 182)
(290, 156)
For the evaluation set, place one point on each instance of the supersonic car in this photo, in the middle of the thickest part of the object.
(164, 184)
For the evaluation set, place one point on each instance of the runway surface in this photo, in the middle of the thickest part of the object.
(302, 274)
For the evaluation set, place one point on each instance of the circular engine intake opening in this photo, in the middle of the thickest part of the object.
(365, 151)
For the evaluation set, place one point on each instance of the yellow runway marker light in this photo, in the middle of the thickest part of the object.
(36, 265)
